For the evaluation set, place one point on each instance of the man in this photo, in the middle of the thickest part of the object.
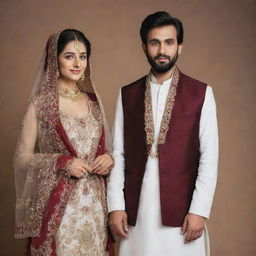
(166, 153)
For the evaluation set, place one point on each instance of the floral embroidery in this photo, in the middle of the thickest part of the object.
(149, 125)
(83, 227)
(38, 168)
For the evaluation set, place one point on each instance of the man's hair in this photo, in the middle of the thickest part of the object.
(160, 19)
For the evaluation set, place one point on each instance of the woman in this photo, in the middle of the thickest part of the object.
(62, 156)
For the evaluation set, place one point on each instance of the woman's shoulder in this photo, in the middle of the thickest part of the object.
(45, 95)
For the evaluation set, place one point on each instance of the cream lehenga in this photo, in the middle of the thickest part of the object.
(59, 214)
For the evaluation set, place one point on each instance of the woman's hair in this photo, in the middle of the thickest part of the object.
(159, 19)
(69, 35)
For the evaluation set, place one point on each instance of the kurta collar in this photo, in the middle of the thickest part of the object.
(153, 80)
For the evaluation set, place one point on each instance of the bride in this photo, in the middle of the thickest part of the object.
(63, 156)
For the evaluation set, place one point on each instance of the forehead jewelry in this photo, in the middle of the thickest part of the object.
(77, 46)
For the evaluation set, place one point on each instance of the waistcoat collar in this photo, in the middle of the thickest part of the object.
(149, 124)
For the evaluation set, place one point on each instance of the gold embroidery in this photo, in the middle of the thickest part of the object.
(149, 124)
(83, 227)
(40, 170)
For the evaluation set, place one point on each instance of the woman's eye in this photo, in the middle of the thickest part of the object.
(68, 57)
(83, 57)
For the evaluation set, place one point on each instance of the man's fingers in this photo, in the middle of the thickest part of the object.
(112, 228)
(120, 230)
(184, 225)
(188, 236)
(125, 224)
(192, 235)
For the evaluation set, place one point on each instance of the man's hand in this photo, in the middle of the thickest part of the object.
(118, 223)
(193, 226)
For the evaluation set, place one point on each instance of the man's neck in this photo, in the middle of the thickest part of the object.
(161, 77)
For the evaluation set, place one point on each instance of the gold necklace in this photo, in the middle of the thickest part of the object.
(74, 94)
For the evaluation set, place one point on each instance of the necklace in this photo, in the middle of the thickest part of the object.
(74, 94)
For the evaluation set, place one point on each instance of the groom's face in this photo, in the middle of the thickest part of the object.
(162, 49)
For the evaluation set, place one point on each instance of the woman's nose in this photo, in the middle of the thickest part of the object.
(76, 62)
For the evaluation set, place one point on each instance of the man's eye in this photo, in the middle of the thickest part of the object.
(154, 43)
(169, 42)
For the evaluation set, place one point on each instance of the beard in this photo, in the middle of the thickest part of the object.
(162, 67)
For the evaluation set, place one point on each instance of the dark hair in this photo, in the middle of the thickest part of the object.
(159, 19)
(69, 35)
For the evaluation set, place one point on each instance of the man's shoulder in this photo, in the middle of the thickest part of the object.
(138, 83)
(188, 80)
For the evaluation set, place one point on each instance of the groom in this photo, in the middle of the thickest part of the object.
(166, 152)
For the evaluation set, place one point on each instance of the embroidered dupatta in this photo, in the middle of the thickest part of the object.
(43, 150)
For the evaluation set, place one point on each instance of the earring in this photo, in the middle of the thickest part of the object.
(58, 74)
(82, 77)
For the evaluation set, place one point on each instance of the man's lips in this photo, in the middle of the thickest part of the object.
(75, 71)
(162, 59)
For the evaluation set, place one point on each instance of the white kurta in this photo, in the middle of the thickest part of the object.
(149, 237)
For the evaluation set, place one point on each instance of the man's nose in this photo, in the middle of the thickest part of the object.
(162, 49)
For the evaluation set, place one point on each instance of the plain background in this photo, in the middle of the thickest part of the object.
(219, 48)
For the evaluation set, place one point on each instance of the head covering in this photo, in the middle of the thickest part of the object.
(47, 77)
(35, 167)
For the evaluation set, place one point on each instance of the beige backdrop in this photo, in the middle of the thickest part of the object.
(219, 49)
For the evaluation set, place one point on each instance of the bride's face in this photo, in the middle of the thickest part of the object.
(72, 61)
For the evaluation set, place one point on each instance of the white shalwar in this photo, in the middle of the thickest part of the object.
(149, 237)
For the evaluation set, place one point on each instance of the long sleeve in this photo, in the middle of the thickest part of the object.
(208, 164)
(25, 156)
(116, 179)
(35, 177)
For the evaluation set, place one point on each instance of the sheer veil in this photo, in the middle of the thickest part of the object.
(34, 168)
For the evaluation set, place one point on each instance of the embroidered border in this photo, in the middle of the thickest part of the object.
(169, 106)
(149, 124)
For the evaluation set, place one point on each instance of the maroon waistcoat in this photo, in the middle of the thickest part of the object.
(178, 156)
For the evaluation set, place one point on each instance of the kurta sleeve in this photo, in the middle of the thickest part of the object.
(116, 180)
(208, 163)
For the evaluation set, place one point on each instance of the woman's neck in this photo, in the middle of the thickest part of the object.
(71, 85)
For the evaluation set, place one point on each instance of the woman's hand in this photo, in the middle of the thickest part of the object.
(78, 168)
(102, 164)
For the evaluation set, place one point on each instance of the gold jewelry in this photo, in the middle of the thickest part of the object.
(76, 45)
(74, 94)
(82, 77)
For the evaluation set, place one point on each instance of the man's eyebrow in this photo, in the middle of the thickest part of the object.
(153, 39)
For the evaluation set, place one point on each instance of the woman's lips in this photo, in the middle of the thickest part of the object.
(75, 71)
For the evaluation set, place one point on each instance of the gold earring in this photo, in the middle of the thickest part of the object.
(82, 77)
(58, 74)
